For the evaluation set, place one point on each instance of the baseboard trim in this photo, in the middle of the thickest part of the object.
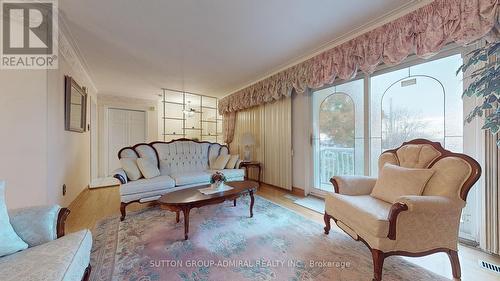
(79, 197)
(298, 191)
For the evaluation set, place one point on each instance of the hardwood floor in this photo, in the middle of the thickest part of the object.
(93, 205)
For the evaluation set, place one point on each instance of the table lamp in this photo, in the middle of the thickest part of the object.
(247, 140)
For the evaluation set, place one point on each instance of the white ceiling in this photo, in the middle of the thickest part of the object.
(134, 48)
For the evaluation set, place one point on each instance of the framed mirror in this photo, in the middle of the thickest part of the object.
(75, 114)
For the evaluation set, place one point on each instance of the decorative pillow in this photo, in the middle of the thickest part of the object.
(395, 181)
(10, 242)
(131, 169)
(221, 162)
(148, 169)
(232, 161)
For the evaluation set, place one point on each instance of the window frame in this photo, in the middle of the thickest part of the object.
(398, 81)
(351, 101)
(449, 50)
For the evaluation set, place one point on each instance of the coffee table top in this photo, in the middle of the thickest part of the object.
(192, 195)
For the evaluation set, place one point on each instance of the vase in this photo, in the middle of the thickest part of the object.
(217, 185)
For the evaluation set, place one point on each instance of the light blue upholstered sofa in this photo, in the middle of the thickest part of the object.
(51, 255)
(183, 163)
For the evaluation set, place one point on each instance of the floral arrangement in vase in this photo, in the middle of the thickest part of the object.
(218, 179)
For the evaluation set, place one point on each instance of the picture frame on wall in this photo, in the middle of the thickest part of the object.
(75, 99)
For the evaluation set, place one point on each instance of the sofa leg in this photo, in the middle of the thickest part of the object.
(455, 264)
(122, 210)
(326, 218)
(86, 273)
(378, 264)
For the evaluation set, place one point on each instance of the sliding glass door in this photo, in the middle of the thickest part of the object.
(338, 141)
(419, 100)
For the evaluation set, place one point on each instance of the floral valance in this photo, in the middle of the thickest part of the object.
(423, 32)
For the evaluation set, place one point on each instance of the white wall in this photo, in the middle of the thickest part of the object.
(301, 133)
(23, 135)
(68, 152)
(106, 101)
(37, 155)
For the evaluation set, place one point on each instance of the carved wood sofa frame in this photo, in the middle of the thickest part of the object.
(124, 205)
(379, 256)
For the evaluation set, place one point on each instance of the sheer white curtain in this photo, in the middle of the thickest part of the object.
(271, 127)
(249, 121)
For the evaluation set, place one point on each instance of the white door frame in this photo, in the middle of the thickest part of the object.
(94, 139)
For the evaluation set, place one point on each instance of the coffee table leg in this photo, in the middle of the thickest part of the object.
(186, 222)
(234, 202)
(252, 200)
(177, 217)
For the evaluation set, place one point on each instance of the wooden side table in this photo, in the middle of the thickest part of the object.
(251, 164)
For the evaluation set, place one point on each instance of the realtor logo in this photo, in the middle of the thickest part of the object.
(29, 34)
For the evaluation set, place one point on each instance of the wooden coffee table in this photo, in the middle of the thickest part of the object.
(187, 199)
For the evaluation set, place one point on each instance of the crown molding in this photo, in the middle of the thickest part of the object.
(69, 50)
(358, 31)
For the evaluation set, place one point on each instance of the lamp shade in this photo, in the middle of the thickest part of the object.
(247, 139)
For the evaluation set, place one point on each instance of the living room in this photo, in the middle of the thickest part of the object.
(249, 140)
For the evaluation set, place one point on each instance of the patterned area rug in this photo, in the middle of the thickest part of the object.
(225, 244)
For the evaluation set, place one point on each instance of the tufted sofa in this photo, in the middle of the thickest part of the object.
(412, 225)
(183, 163)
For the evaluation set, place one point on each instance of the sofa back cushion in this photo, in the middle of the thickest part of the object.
(146, 151)
(10, 242)
(221, 162)
(129, 165)
(396, 181)
(178, 156)
(231, 164)
(148, 169)
(215, 150)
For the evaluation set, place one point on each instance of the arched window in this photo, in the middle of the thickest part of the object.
(336, 136)
(413, 107)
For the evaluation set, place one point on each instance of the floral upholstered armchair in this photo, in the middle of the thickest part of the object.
(409, 225)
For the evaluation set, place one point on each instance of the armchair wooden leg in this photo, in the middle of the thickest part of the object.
(455, 264)
(378, 264)
(326, 218)
(122, 210)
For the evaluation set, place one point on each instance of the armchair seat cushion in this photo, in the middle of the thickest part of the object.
(63, 259)
(360, 212)
(145, 185)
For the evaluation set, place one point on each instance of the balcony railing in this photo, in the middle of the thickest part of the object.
(335, 161)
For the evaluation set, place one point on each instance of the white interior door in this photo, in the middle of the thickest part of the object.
(125, 128)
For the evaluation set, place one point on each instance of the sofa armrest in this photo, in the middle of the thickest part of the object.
(39, 225)
(120, 175)
(421, 205)
(430, 204)
(353, 185)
